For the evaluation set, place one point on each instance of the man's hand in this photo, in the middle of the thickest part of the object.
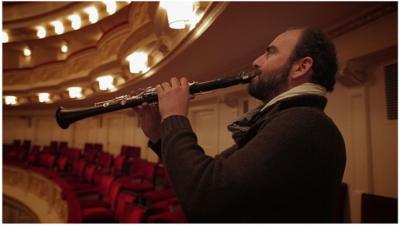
(149, 119)
(173, 98)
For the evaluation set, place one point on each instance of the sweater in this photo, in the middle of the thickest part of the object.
(288, 170)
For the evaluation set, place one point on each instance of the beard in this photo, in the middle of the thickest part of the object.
(270, 84)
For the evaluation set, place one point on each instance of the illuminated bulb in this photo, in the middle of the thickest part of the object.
(10, 100)
(138, 62)
(27, 51)
(41, 32)
(44, 97)
(75, 92)
(111, 7)
(58, 26)
(64, 48)
(75, 21)
(179, 13)
(93, 14)
(106, 82)
(5, 36)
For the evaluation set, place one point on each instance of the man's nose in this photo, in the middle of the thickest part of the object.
(258, 62)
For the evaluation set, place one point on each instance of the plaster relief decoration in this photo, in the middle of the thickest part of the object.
(37, 191)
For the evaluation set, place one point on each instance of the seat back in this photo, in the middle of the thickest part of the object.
(105, 184)
(105, 161)
(62, 163)
(378, 209)
(131, 151)
(119, 165)
(89, 172)
(81, 168)
(132, 214)
(123, 200)
(17, 142)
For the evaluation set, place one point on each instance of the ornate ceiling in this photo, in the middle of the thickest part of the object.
(225, 40)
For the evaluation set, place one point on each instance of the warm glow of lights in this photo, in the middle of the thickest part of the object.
(64, 48)
(93, 14)
(58, 26)
(44, 97)
(179, 14)
(5, 36)
(138, 62)
(75, 21)
(75, 92)
(27, 51)
(41, 32)
(111, 6)
(10, 100)
(106, 82)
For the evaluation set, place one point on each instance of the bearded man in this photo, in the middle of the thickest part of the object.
(289, 157)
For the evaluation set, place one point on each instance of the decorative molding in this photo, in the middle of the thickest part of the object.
(16, 180)
(362, 19)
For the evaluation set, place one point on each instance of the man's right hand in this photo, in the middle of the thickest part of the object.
(149, 119)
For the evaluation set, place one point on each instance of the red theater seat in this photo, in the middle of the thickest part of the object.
(176, 216)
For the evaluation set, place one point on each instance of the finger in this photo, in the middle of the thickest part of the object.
(175, 82)
(166, 86)
(184, 82)
(159, 90)
(137, 91)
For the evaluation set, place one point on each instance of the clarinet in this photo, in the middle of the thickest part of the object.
(65, 117)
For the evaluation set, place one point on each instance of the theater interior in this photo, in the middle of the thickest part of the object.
(66, 56)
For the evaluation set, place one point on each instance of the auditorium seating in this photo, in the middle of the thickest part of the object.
(121, 188)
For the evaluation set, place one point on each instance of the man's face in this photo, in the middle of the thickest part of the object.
(275, 67)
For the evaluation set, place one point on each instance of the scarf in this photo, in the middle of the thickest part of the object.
(242, 125)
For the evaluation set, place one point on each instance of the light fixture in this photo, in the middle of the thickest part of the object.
(111, 6)
(138, 62)
(5, 36)
(10, 100)
(41, 32)
(179, 14)
(75, 92)
(44, 97)
(58, 26)
(64, 47)
(93, 14)
(106, 82)
(27, 51)
(75, 21)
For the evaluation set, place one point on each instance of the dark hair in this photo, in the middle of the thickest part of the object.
(315, 44)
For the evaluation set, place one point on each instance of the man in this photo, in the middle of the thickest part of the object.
(289, 157)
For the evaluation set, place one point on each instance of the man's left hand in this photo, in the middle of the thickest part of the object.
(173, 97)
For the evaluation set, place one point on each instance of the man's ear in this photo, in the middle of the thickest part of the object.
(302, 67)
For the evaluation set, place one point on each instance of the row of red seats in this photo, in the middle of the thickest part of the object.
(120, 189)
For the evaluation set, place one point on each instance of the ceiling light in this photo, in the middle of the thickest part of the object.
(75, 21)
(10, 100)
(5, 36)
(44, 97)
(41, 32)
(111, 7)
(93, 14)
(75, 92)
(58, 26)
(64, 48)
(138, 62)
(106, 82)
(27, 51)
(179, 14)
